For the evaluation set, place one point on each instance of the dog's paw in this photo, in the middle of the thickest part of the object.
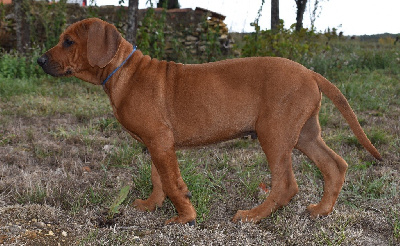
(318, 210)
(181, 220)
(246, 216)
(144, 205)
(192, 223)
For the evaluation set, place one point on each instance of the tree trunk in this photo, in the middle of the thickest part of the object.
(274, 14)
(301, 8)
(18, 24)
(132, 21)
(169, 4)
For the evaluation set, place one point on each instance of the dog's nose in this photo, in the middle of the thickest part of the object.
(42, 60)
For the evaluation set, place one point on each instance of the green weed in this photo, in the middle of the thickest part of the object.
(114, 208)
(151, 38)
(335, 234)
(395, 217)
(70, 200)
(200, 186)
(283, 42)
(324, 118)
(14, 65)
(364, 93)
(36, 194)
(142, 177)
(311, 170)
(369, 187)
(42, 153)
(352, 58)
(6, 139)
(377, 137)
(89, 238)
(108, 124)
(250, 177)
(241, 144)
(362, 165)
(94, 197)
(123, 154)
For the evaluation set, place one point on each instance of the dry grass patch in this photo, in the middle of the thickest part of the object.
(64, 159)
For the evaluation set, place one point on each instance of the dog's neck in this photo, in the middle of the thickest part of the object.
(115, 85)
(116, 70)
(96, 75)
(124, 50)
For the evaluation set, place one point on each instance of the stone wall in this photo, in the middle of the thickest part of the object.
(186, 27)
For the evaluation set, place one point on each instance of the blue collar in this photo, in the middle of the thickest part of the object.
(109, 76)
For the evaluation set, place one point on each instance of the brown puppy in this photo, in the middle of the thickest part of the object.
(167, 106)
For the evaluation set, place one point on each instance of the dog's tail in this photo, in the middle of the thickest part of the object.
(334, 94)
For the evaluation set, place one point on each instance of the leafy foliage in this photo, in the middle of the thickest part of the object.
(288, 43)
(14, 65)
(50, 17)
(151, 38)
(114, 208)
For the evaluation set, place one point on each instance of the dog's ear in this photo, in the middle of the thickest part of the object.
(102, 43)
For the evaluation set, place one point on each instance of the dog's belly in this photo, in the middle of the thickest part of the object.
(191, 136)
(214, 117)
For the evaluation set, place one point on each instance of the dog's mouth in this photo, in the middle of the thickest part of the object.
(53, 68)
(68, 72)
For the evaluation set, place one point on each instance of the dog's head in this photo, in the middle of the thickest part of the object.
(84, 48)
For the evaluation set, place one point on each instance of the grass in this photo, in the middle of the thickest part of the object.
(335, 234)
(142, 177)
(395, 217)
(369, 187)
(63, 151)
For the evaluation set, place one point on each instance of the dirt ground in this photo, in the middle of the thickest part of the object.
(59, 173)
(72, 168)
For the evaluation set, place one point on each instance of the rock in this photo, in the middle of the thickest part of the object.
(108, 148)
(191, 38)
(223, 36)
(30, 234)
(40, 224)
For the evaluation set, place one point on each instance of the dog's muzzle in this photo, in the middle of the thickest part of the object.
(51, 67)
(42, 61)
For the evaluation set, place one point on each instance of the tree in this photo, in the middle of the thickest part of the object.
(132, 21)
(301, 8)
(171, 4)
(316, 11)
(274, 14)
(18, 13)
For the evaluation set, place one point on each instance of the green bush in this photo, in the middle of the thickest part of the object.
(151, 38)
(14, 65)
(354, 56)
(48, 17)
(297, 46)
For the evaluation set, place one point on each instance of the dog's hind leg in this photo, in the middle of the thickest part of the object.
(331, 165)
(277, 143)
(157, 196)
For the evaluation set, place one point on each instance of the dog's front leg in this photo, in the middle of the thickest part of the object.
(157, 196)
(163, 155)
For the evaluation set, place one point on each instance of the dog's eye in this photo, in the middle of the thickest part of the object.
(68, 42)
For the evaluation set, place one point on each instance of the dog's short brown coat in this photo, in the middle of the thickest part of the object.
(167, 105)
